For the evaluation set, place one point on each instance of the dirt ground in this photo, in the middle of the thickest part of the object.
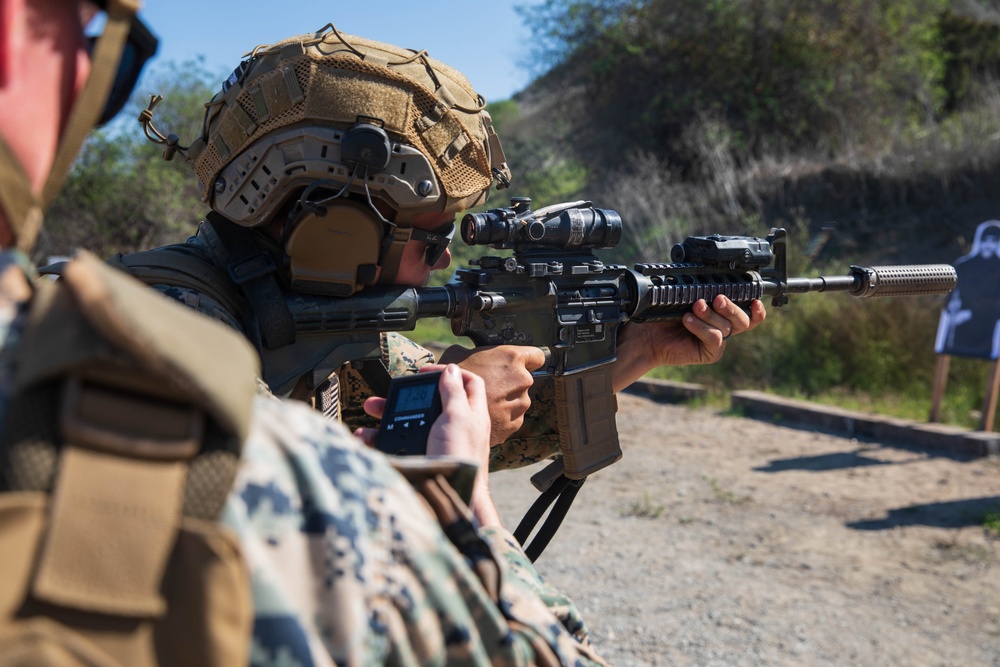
(725, 541)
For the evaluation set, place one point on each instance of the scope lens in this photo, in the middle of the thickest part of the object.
(575, 227)
(470, 229)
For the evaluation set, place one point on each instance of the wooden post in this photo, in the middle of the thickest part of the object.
(940, 381)
(990, 403)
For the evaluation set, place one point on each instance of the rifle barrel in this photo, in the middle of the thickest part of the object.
(876, 281)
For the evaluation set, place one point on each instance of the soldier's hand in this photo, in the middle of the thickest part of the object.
(461, 431)
(697, 338)
(506, 370)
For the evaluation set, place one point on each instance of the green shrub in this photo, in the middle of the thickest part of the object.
(797, 73)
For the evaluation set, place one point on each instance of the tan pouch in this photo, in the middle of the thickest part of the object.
(120, 446)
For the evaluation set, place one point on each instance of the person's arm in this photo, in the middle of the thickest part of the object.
(697, 338)
(461, 433)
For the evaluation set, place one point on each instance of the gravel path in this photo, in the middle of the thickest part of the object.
(724, 541)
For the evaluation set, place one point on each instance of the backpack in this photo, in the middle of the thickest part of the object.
(120, 445)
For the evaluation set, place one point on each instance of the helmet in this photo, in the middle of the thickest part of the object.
(324, 118)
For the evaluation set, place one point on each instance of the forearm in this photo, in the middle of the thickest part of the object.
(635, 356)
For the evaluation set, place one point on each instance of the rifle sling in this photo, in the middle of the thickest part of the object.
(375, 373)
(560, 496)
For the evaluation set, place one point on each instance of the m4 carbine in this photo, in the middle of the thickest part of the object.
(554, 292)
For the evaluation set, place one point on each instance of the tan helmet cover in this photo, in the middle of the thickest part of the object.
(276, 128)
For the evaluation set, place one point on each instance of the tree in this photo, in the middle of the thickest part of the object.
(120, 195)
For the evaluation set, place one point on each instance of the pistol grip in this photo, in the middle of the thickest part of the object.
(585, 409)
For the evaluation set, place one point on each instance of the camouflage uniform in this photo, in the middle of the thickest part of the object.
(348, 564)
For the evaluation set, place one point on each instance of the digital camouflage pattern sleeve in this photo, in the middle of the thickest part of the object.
(350, 566)
(400, 355)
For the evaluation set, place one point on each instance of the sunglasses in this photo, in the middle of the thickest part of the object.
(437, 240)
(139, 48)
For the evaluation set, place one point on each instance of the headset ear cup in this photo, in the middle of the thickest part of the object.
(336, 253)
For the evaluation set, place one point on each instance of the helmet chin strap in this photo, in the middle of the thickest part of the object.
(22, 207)
(18, 203)
(393, 255)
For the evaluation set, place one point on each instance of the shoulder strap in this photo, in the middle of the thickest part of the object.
(180, 266)
(376, 374)
(253, 270)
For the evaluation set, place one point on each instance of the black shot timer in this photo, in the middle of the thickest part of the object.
(413, 404)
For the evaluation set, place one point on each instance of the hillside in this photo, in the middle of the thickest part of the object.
(909, 185)
(871, 131)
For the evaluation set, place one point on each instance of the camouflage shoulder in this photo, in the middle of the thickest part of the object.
(348, 563)
(203, 303)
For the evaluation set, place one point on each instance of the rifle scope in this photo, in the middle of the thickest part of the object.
(574, 226)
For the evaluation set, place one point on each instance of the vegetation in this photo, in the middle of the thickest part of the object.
(644, 507)
(120, 196)
(870, 129)
(991, 523)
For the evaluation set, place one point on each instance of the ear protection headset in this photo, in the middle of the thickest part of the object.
(336, 245)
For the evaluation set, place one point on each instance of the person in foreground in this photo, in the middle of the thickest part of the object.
(154, 509)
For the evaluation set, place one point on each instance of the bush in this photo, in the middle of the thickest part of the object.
(121, 196)
(792, 73)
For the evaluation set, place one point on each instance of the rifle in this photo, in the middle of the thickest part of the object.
(554, 292)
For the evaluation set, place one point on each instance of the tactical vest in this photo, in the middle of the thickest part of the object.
(242, 277)
(122, 439)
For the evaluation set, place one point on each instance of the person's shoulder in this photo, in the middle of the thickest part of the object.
(186, 273)
(201, 302)
(292, 446)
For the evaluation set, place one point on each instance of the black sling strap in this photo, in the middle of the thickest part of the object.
(376, 374)
(560, 495)
(253, 270)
